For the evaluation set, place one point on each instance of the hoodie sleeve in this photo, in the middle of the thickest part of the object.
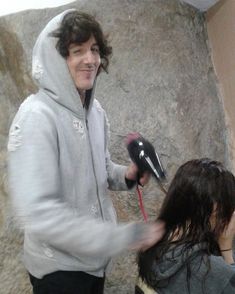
(230, 287)
(34, 182)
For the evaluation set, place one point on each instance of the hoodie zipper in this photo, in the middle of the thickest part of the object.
(93, 166)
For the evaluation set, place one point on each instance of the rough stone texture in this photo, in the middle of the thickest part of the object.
(161, 83)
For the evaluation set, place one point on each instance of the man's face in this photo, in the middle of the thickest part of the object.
(83, 63)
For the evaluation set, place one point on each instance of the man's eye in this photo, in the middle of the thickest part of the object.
(95, 49)
(76, 51)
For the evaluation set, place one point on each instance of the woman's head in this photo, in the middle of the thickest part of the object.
(198, 206)
(200, 200)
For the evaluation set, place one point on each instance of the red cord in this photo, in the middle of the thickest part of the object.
(141, 204)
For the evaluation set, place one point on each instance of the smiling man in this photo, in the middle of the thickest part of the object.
(83, 63)
(60, 167)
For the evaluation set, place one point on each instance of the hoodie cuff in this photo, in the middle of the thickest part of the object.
(139, 232)
(130, 183)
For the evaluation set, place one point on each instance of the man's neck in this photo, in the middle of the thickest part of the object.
(82, 94)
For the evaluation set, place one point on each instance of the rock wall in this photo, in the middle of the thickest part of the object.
(161, 83)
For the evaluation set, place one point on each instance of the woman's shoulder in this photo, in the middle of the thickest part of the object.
(218, 262)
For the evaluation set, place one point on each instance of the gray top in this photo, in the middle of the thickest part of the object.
(171, 273)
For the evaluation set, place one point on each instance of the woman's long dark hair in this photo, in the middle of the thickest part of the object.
(200, 187)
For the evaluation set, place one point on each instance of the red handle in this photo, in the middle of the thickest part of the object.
(141, 204)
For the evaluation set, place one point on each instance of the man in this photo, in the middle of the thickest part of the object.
(60, 167)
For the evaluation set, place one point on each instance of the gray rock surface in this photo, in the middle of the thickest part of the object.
(161, 83)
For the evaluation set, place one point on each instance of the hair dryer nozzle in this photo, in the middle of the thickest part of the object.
(144, 156)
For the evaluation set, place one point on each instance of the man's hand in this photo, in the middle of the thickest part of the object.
(132, 174)
(153, 233)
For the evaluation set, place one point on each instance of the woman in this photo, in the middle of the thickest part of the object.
(195, 255)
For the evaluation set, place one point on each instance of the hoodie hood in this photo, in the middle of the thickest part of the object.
(174, 260)
(207, 273)
(50, 71)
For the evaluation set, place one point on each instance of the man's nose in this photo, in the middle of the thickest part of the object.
(89, 57)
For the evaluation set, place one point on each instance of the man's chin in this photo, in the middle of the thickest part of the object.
(86, 87)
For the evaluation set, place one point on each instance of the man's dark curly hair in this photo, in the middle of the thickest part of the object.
(77, 27)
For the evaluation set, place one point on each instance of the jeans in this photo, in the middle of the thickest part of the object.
(67, 282)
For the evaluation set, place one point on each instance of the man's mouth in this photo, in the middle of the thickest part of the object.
(87, 69)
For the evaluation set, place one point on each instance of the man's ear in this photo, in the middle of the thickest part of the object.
(100, 68)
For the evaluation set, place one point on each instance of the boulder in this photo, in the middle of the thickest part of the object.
(161, 83)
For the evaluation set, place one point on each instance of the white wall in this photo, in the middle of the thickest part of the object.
(12, 6)
(201, 4)
(220, 27)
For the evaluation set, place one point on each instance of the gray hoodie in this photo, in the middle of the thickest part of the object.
(60, 170)
(171, 272)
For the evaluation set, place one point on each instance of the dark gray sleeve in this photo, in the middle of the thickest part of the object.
(233, 266)
(230, 287)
